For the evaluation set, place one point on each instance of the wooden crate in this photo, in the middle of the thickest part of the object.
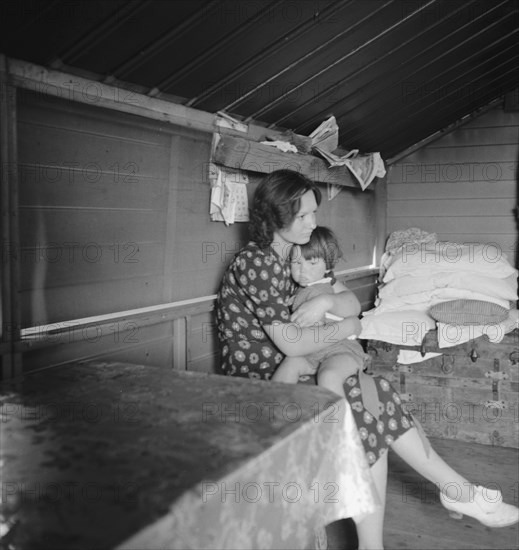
(469, 393)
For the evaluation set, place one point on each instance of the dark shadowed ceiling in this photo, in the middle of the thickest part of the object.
(392, 72)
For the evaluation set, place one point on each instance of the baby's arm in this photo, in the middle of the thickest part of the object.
(332, 317)
(342, 303)
(345, 303)
(291, 369)
(350, 301)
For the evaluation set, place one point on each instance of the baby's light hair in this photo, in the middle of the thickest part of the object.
(322, 244)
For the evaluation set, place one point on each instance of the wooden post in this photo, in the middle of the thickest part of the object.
(180, 344)
(169, 257)
(380, 217)
(11, 360)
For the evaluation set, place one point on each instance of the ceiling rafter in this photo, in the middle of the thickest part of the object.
(94, 36)
(399, 111)
(351, 53)
(297, 62)
(390, 69)
(490, 84)
(43, 9)
(211, 53)
(161, 42)
(330, 89)
(271, 50)
(486, 99)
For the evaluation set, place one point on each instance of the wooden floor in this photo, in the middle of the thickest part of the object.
(416, 520)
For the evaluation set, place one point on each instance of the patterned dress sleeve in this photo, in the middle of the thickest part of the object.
(262, 284)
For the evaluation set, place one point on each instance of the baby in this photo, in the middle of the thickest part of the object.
(311, 267)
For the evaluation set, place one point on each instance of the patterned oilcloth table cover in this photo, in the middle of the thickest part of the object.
(114, 455)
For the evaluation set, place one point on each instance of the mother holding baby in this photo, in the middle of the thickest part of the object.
(254, 315)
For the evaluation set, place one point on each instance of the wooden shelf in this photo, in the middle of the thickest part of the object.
(244, 154)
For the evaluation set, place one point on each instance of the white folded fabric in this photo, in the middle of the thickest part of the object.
(505, 288)
(416, 259)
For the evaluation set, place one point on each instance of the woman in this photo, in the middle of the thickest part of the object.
(257, 331)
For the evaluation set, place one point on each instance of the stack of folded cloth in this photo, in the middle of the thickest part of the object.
(463, 290)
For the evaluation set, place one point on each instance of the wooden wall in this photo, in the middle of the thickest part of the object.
(114, 217)
(462, 186)
(113, 212)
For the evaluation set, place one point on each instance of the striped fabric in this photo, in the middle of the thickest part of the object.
(468, 312)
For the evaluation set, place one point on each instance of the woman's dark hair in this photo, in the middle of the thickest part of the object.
(322, 244)
(276, 202)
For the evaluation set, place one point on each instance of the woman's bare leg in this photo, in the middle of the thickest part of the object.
(429, 464)
(457, 495)
(370, 529)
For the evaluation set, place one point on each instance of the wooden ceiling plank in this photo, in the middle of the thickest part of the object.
(272, 49)
(325, 45)
(214, 51)
(330, 90)
(260, 112)
(406, 109)
(456, 112)
(144, 56)
(395, 114)
(96, 35)
(367, 97)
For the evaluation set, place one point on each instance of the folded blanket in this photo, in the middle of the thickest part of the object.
(505, 288)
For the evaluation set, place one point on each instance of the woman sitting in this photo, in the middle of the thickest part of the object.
(253, 318)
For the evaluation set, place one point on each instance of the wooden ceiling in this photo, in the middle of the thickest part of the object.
(392, 72)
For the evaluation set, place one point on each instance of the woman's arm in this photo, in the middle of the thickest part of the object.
(343, 303)
(293, 340)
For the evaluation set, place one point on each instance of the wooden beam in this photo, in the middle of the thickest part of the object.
(45, 81)
(244, 154)
(121, 97)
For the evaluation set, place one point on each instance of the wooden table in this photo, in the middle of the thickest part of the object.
(113, 455)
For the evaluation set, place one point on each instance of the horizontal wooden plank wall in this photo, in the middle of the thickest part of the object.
(114, 215)
(179, 335)
(462, 186)
(92, 211)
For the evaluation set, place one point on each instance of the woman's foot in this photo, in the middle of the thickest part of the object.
(486, 505)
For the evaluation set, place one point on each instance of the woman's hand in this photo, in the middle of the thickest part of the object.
(312, 311)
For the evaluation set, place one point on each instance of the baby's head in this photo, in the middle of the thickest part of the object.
(311, 261)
